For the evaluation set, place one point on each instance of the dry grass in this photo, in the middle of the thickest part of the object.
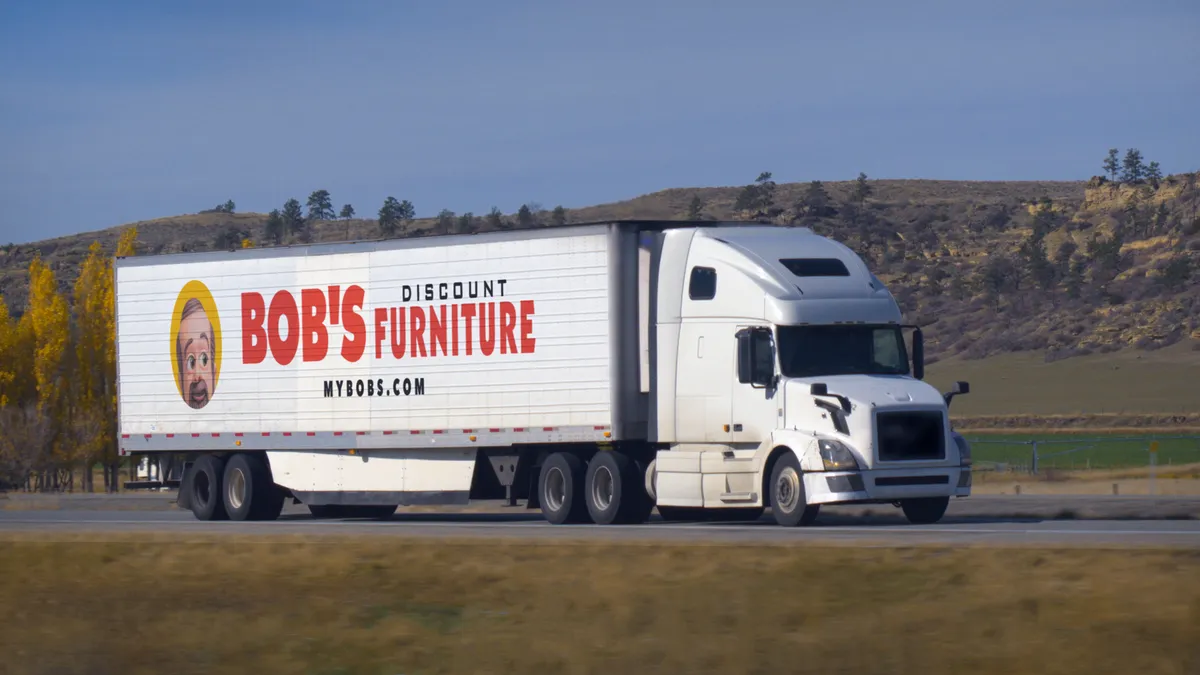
(1126, 383)
(342, 605)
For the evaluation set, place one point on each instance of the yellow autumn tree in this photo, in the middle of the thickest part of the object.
(93, 416)
(50, 318)
(8, 364)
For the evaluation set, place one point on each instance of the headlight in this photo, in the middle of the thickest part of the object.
(964, 450)
(836, 456)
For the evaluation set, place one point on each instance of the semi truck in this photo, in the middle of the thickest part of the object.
(595, 371)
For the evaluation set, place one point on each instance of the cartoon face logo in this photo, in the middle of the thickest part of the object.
(195, 345)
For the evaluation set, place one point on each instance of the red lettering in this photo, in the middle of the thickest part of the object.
(508, 321)
(454, 329)
(468, 313)
(417, 315)
(355, 341)
(398, 331)
(254, 335)
(381, 317)
(528, 342)
(316, 337)
(283, 306)
(437, 330)
(487, 328)
(334, 305)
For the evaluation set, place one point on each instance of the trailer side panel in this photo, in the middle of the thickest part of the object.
(450, 341)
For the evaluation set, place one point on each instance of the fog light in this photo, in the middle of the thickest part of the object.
(964, 478)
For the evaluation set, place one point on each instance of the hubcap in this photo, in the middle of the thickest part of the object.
(602, 488)
(787, 490)
(237, 489)
(556, 489)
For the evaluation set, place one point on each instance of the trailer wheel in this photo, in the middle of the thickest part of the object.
(561, 489)
(614, 488)
(247, 487)
(926, 510)
(788, 501)
(207, 487)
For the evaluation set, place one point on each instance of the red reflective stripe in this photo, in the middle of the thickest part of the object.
(124, 435)
(361, 433)
(147, 436)
(547, 428)
(266, 433)
(467, 431)
(170, 435)
(195, 435)
(336, 433)
(287, 433)
(437, 431)
(216, 435)
(312, 433)
(494, 431)
(414, 432)
(388, 433)
(519, 429)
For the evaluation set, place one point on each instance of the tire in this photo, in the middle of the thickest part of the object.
(561, 489)
(787, 494)
(207, 487)
(247, 488)
(925, 510)
(614, 489)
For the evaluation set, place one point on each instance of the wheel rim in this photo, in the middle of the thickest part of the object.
(556, 489)
(602, 488)
(237, 489)
(787, 490)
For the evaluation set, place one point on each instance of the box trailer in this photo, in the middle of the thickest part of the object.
(595, 371)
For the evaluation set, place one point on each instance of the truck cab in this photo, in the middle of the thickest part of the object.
(782, 377)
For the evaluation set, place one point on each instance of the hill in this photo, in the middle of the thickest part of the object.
(1043, 271)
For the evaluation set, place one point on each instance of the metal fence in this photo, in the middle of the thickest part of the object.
(1027, 454)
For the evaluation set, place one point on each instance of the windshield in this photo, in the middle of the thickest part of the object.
(818, 351)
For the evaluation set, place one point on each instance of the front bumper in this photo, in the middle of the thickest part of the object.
(886, 485)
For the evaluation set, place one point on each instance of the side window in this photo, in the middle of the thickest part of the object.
(703, 283)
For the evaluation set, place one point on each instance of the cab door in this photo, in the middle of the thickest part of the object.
(756, 401)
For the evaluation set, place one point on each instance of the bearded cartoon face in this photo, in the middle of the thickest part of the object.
(194, 352)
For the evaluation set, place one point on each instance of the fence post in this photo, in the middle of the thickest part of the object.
(1153, 463)
(1034, 463)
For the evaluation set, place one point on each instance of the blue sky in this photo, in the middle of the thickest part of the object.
(117, 111)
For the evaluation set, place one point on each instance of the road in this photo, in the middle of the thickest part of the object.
(986, 521)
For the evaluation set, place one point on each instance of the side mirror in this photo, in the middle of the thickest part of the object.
(958, 388)
(756, 363)
(918, 355)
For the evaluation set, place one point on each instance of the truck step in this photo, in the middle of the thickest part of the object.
(739, 497)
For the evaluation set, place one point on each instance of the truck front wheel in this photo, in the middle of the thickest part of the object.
(926, 510)
(788, 499)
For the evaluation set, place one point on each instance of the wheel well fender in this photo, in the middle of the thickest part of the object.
(776, 453)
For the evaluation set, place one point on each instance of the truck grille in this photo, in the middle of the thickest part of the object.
(910, 436)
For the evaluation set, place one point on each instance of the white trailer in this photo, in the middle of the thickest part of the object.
(595, 371)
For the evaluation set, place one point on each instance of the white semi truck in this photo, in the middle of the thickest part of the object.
(595, 371)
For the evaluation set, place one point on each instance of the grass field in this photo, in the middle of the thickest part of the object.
(1085, 449)
(346, 606)
(1128, 382)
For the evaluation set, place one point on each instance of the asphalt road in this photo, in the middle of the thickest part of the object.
(963, 525)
